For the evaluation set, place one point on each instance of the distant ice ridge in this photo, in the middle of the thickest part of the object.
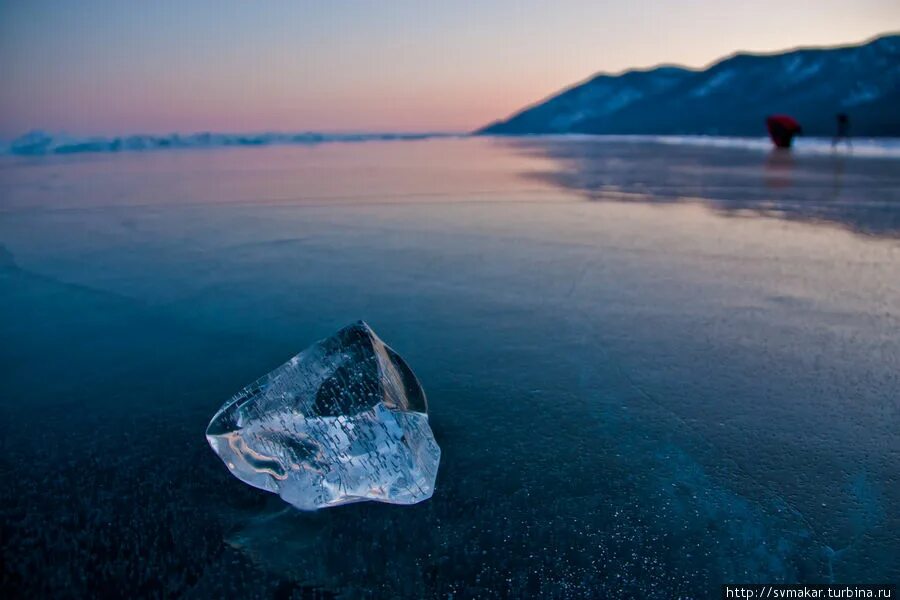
(343, 421)
(37, 143)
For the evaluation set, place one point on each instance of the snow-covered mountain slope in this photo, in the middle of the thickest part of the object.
(732, 97)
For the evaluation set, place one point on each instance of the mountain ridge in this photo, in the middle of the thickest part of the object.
(730, 96)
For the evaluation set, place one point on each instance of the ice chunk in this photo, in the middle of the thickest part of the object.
(343, 421)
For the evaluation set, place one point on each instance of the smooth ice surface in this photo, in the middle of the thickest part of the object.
(343, 421)
(652, 368)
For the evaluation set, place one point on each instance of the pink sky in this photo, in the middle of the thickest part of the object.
(110, 67)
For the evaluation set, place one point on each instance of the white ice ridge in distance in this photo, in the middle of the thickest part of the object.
(344, 421)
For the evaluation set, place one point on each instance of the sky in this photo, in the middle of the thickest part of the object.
(106, 67)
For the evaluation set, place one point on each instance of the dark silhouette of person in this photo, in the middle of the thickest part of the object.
(843, 130)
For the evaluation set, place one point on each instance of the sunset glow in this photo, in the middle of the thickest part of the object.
(103, 67)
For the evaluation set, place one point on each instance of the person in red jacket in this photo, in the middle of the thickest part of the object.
(782, 130)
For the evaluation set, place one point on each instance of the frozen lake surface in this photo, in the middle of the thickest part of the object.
(652, 368)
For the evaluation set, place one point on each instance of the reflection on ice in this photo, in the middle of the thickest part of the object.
(854, 191)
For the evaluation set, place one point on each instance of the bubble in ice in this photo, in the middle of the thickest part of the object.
(344, 421)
